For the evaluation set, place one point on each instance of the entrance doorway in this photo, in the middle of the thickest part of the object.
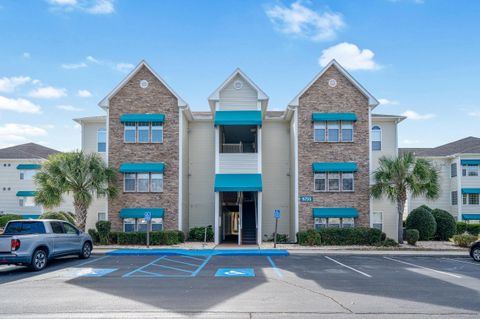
(239, 217)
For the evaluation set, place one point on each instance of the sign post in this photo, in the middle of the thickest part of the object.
(148, 219)
(276, 214)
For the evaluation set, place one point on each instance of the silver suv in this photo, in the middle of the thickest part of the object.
(34, 242)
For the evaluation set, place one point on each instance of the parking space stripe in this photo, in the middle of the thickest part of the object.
(93, 260)
(351, 268)
(418, 266)
(462, 261)
(201, 266)
(173, 268)
(181, 262)
(143, 267)
(191, 257)
(274, 266)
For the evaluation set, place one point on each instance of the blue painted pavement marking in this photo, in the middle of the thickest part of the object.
(274, 266)
(140, 268)
(235, 272)
(96, 272)
(93, 260)
(164, 267)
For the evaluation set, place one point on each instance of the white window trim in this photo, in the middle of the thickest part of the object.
(124, 179)
(105, 131)
(340, 135)
(340, 189)
(151, 131)
(138, 133)
(132, 128)
(381, 137)
(372, 221)
(149, 183)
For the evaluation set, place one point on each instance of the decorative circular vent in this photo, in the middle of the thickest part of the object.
(332, 83)
(238, 84)
(143, 84)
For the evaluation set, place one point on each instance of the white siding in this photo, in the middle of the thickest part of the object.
(184, 181)
(275, 177)
(202, 174)
(242, 99)
(293, 178)
(241, 163)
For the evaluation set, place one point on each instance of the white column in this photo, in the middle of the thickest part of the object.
(217, 218)
(259, 149)
(259, 218)
(217, 149)
(459, 189)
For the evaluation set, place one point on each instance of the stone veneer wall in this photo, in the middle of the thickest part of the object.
(156, 98)
(345, 97)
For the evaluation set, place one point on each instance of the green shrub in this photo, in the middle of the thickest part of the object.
(133, 238)
(180, 236)
(446, 224)
(95, 237)
(59, 215)
(389, 242)
(412, 236)
(308, 238)
(198, 233)
(425, 207)
(464, 240)
(463, 227)
(164, 237)
(351, 236)
(422, 219)
(4, 219)
(113, 238)
(103, 229)
(170, 237)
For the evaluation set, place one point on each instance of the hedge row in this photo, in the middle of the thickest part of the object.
(4, 219)
(344, 236)
(198, 234)
(164, 237)
(463, 227)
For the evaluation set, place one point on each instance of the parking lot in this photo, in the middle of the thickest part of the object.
(210, 285)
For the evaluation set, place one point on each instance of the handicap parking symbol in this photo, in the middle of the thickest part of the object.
(235, 272)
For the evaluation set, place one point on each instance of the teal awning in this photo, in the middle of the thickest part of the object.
(142, 167)
(30, 216)
(140, 212)
(238, 182)
(142, 118)
(331, 212)
(238, 118)
(26, 193)
(470, 190)
(29, 166)
(471, 216)
(317, 117)
(470, 162)
(334, 167)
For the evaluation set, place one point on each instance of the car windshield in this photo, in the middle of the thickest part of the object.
(24, 228)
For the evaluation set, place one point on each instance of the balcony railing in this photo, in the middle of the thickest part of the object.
(239, 148)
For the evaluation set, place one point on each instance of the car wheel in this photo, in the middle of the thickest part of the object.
(476, 253)
(86, 251)
(39, 260)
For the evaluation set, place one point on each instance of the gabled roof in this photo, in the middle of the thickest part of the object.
(372, 101)
(465, 145)
(106, 100)
(396, 118)
(216, 94)
(27, 151)
(91, 119)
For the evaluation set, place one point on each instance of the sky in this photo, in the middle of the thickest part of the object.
(61, 57)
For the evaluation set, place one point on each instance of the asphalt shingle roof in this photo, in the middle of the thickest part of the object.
(26, 151)
(469, 144)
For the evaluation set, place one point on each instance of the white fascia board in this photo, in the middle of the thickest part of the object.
(372, 101)
(106, 100)
(215, 96)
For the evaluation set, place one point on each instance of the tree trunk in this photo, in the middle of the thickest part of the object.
(80, 214)
(401, 202)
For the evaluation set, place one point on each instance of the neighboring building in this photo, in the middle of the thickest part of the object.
(233, 166)
(18, 165)
(458, 164)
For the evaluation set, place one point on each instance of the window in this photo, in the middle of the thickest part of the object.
(101, 216)
(129, 132)
(334, 223)
(333, 181)
(26, 202)
(348, 222)
(377, 220)
(320, 182)
(157, 224)
(332, 131)
(320, 131)
(376, 138)
(130, 181)
(347, 131)
(470, 170)
(24, 228)
(143, 132)
(320, 223)
(454, 198)
(453, 169)
(347, 182)
(57, 227)
(27, 174)
(156, 185)
(69, 229)
(142, 225)
(473, 199)
(464, 199)
(101, 140)
(129, 225)
(157, 132)
(142, 182)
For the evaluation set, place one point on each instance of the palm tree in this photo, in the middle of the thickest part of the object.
(82, 175)
(402, 175)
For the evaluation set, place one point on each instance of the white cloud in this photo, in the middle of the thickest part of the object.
(101, 7)
(69, 108)
(48, 92)
(388, 102)
(92, 59)
(299, 20)
(412, 115)
(18, 105)
(124, 67)
(349, 56)
(73, 66)
(86, 6)
(121, 66)
(63, 2)
(13, 133)
(474, 113)
(26, 55)
(84, 93)
(10, 84)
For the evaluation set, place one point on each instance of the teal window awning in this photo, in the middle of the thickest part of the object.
(318, 117)
(335, 212)
(471, 216)
(26, 193)
(238, 183)
(142, 118)
(238, 118)
(470, 162)
(140, 212)
(334, 167)
(142, 168)
(470, 190)
(29, 166)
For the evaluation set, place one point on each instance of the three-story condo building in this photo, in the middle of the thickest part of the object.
(233, 166)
